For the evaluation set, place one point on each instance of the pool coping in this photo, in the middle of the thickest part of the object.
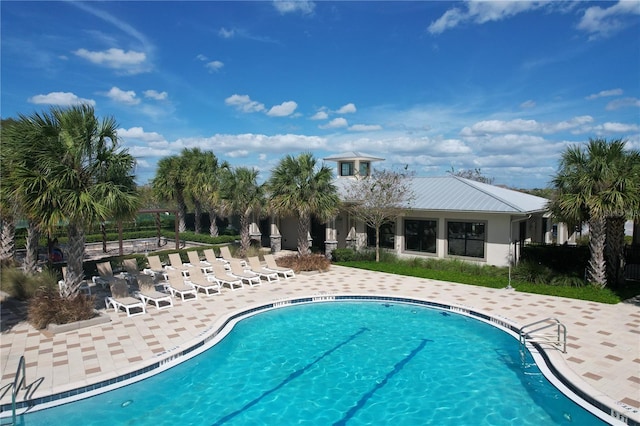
(550, 363)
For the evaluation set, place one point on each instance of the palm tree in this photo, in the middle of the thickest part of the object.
(298, 187)
(194, 176)
(599, 184)
(14, 139)
(8, 201)
(71, 169)
(242, 195)
(169, 184)
(202, 179)
(209, 187)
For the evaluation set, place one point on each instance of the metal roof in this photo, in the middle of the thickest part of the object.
(352, 155)
(453, 193)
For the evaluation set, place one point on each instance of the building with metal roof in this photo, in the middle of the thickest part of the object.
(449, 217)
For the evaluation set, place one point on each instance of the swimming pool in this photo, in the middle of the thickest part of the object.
(350, 363)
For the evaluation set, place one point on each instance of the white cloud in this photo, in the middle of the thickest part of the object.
(225, 143)
(487, 127)
(127, 97)
(623, 103)
(214, 66)
(239, 153)
(153, 94)
(573, 123)
(244, 103)
(365, 127)
(347, 109)
(131, 62)
(481, 12)
(528, 104)
(226, 33)
(605, 93)
(320, 115)
(619, 127)
(450, 19)
(601, 22)
(500, 126)
(283, 110)
(336, 123)
(60, 98)
(303, 6)
(139, 134)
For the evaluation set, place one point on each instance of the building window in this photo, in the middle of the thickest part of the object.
(387, 235)
(364, 168)
(420, 235)
(466, 238)
(346, 168)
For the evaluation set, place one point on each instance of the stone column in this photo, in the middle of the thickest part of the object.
(331, 238)
(329, 247)
(276, 243)
(352, 239)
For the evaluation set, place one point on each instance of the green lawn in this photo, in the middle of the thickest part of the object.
(494, 278)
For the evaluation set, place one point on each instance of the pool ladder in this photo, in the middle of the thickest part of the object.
(548, 331)
(19, 383)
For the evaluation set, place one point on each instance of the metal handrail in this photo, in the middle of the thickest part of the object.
(560, 335)
(19, 381)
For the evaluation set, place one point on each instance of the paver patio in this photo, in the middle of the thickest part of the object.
(602, 359)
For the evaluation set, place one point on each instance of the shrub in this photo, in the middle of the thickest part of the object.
(568, 281)
(309, 262)
(533, 272)
(343, 255)
(48, 307)
(22, 286)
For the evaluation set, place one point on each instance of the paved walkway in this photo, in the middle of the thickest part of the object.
(602, 359)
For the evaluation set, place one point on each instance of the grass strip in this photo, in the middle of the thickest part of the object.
(589, 293)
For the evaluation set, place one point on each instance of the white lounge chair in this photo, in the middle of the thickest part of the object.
(201, 281)
(105, 277)
(226, 255)
(149, 294)
(257, 268)
(238, 271)
(176, 261)
(131, 271)
(176, 284)
(195, 261)
(211, 257)
(155, 269)
(120, 299)
(273, 266)
(223, 277)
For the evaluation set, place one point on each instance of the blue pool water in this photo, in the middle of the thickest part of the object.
(341, 363)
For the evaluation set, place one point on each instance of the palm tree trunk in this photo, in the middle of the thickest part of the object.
(182, 213)
(614, 250)
(75, 256)
(197, 207)
(245, 238)
(103, 230)
(213, 227)
(304, 225)
(7, 240)
(31, 258)
(378, 244)
(596, 270)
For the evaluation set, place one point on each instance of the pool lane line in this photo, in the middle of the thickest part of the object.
(294, 375)
(396, 369)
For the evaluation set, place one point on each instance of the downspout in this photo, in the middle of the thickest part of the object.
(511, 244)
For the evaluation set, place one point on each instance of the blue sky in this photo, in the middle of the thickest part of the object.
(500, 86)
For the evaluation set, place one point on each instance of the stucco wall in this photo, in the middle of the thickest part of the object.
(497, 236)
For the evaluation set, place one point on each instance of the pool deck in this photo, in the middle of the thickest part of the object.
(602, 359)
